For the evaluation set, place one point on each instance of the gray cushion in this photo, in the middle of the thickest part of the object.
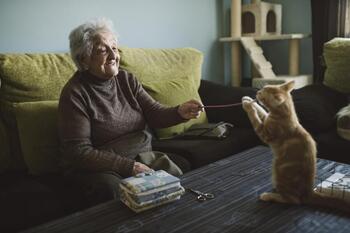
(343, 122)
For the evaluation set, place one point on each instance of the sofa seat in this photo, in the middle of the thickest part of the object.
(200, 152)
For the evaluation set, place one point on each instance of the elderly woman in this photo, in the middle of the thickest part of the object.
(103, 113)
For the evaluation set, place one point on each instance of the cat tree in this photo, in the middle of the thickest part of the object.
(261, 21)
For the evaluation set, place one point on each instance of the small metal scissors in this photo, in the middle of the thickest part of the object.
(201, 196)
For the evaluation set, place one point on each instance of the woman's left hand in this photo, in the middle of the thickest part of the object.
(190, 109)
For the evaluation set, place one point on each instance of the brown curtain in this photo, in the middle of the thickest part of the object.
(329, 19)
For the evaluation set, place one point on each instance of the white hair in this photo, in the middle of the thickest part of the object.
(82, 37)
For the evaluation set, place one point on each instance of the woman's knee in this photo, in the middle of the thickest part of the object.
(99, 187)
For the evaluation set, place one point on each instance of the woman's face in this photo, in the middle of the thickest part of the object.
(104, 59)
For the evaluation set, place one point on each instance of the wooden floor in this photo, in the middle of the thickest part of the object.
(236, 182)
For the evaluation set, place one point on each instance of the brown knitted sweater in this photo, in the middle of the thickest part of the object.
(94, 113)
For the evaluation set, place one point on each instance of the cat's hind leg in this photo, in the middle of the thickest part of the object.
(276, 197)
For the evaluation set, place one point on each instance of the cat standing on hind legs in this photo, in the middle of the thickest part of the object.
(293, 148)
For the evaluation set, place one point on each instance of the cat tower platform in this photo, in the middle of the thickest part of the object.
(264, 68)
(256, 22)
(300, 81)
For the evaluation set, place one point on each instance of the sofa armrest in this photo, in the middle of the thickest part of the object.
(213, 94)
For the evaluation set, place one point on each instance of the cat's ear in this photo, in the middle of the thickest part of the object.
(288, 86)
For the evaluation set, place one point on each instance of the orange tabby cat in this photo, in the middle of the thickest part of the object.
(294, 150)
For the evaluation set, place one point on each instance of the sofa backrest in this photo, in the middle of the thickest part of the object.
(336, 53)
(150, 65)
(34, 77)
(30, 89)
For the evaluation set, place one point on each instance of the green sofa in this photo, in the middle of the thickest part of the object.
(33, 190)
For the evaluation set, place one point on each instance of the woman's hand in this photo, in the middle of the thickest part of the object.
(139, 168)
(190, 109)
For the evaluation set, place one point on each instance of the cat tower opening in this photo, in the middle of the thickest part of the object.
(261, 18)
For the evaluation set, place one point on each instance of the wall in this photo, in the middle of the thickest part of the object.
(44, 25)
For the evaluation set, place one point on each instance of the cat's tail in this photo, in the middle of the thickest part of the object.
(329, 202)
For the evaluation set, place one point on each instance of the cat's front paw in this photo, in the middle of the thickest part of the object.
(247, 103)
(247, 98)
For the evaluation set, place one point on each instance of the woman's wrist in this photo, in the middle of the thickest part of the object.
(179, 113)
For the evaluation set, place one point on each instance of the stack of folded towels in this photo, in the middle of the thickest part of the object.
(147, 190)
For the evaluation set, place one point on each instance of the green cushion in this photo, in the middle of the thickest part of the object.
(172, 93)
(38, 136)
(337, 57)
(150, 65)
(6, 161)
(171, 76)
(34, 77)
(343, 122)
(9, 120)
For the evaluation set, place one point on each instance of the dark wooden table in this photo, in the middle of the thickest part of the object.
(236, 182)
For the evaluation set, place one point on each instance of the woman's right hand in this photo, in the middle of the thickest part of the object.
(139, 168)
